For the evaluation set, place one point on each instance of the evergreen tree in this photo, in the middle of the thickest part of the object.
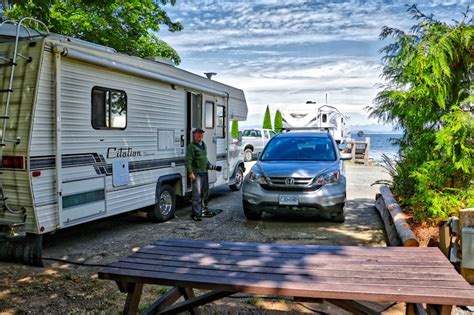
(267, 120)
(234, 132)
(278, 124)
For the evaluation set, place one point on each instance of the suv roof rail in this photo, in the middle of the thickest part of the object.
(288, 129)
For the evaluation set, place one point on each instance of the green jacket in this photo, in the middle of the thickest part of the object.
(196, 158)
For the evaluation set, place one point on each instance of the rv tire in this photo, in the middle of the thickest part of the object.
(165, 204)
(239, 179)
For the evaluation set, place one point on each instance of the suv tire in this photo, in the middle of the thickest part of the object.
(340, 217)
(251, 214)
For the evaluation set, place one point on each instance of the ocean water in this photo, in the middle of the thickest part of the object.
(380, 143)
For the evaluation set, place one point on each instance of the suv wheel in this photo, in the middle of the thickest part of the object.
(340, 217)
(251, 214)
(248, 155)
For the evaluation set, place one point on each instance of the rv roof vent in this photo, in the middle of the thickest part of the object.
(161, 60)
(209, 75)
(310, 102)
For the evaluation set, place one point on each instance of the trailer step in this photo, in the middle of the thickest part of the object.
(16, 141)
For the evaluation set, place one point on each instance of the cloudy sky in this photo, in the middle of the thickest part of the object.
(284, 53)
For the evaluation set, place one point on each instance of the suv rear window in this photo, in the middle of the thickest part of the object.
(300, 149)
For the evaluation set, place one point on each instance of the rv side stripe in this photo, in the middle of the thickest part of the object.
(45, 162)
(99, 164)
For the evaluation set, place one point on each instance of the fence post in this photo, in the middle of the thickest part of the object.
(366, 154)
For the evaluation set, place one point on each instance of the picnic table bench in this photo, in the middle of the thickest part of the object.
(339, 275)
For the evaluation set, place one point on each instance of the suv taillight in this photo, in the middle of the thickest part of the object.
(13, 161)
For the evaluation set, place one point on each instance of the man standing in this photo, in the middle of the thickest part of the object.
(197, 165)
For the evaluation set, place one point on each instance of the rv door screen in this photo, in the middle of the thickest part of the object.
(109, 108)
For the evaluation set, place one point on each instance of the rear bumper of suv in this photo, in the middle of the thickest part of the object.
(329, 199)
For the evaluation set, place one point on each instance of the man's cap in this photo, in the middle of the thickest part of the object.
(198, 130)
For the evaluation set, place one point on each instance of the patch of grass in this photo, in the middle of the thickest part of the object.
(255, 300)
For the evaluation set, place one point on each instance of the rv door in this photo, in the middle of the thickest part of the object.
(209, 123)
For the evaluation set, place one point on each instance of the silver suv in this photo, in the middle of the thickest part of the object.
(297, 172)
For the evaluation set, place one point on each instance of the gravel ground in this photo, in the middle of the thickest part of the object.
(66, 288)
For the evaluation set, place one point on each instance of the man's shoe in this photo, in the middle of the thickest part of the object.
(195, 217)
(208, 214)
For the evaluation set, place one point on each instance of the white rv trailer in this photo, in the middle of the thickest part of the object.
(318, 117)
(88, 133)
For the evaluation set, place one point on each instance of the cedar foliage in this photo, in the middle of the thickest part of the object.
(428, 95)
(234, 131)
(278, 122)
(267, 120)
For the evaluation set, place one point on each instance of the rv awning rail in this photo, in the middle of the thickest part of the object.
(326, 129)
(110, 64)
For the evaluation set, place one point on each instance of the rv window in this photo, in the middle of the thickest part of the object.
(209, 115)
(220, 121)
(109, 108)
(325, 118)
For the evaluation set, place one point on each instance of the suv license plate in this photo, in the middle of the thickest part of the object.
(288, 200)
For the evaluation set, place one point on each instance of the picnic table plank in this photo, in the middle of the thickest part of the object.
(303, 278)
(334, 271)
(242, 246)
(303, 258)
(294, 248)
(296, 254)
(296, 264)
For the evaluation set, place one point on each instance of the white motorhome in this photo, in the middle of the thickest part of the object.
(88, 133)
(318, 117)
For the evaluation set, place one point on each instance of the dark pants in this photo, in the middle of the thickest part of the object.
(200, 193)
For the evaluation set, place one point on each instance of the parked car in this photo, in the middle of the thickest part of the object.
(253, 142)
(297, 172)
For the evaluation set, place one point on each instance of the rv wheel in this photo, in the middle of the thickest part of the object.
(239, 179)
(165, 205)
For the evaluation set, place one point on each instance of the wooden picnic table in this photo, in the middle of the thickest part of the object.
(340, 275)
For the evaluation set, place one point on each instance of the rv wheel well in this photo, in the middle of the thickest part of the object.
(174, 180)
(248, 146)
